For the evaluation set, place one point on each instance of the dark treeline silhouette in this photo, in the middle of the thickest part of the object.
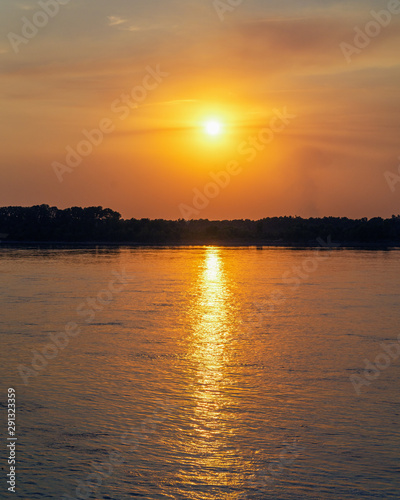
(43, 223)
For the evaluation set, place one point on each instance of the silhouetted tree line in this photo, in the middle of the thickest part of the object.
(43, 223)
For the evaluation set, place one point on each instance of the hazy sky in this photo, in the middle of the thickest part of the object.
(179, 63)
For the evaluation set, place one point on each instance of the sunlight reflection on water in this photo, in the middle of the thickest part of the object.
(186, 329)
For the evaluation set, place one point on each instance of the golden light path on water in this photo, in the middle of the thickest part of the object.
(210, 333)
(211, 348)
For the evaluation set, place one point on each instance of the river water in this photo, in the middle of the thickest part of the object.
(202, 373)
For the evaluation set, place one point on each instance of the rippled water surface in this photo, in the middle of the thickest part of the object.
(202, 373)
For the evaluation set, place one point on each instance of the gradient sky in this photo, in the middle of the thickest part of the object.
(265, 55)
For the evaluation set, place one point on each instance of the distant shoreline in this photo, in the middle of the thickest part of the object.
(257, 245)
(42, 225)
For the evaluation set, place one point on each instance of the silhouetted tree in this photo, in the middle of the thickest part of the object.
(42, 223)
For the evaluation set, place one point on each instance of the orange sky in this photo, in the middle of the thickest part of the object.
(185, 65)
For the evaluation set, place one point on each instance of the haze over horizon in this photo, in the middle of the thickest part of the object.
(211, 87)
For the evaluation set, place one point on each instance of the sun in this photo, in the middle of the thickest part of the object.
(213, 127)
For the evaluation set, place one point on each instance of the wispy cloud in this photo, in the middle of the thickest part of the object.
(124, 24)
(116, 20)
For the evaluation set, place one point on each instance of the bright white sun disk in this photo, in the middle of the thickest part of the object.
(213, 127)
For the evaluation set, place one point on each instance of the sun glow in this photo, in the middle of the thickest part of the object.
(213, 127)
